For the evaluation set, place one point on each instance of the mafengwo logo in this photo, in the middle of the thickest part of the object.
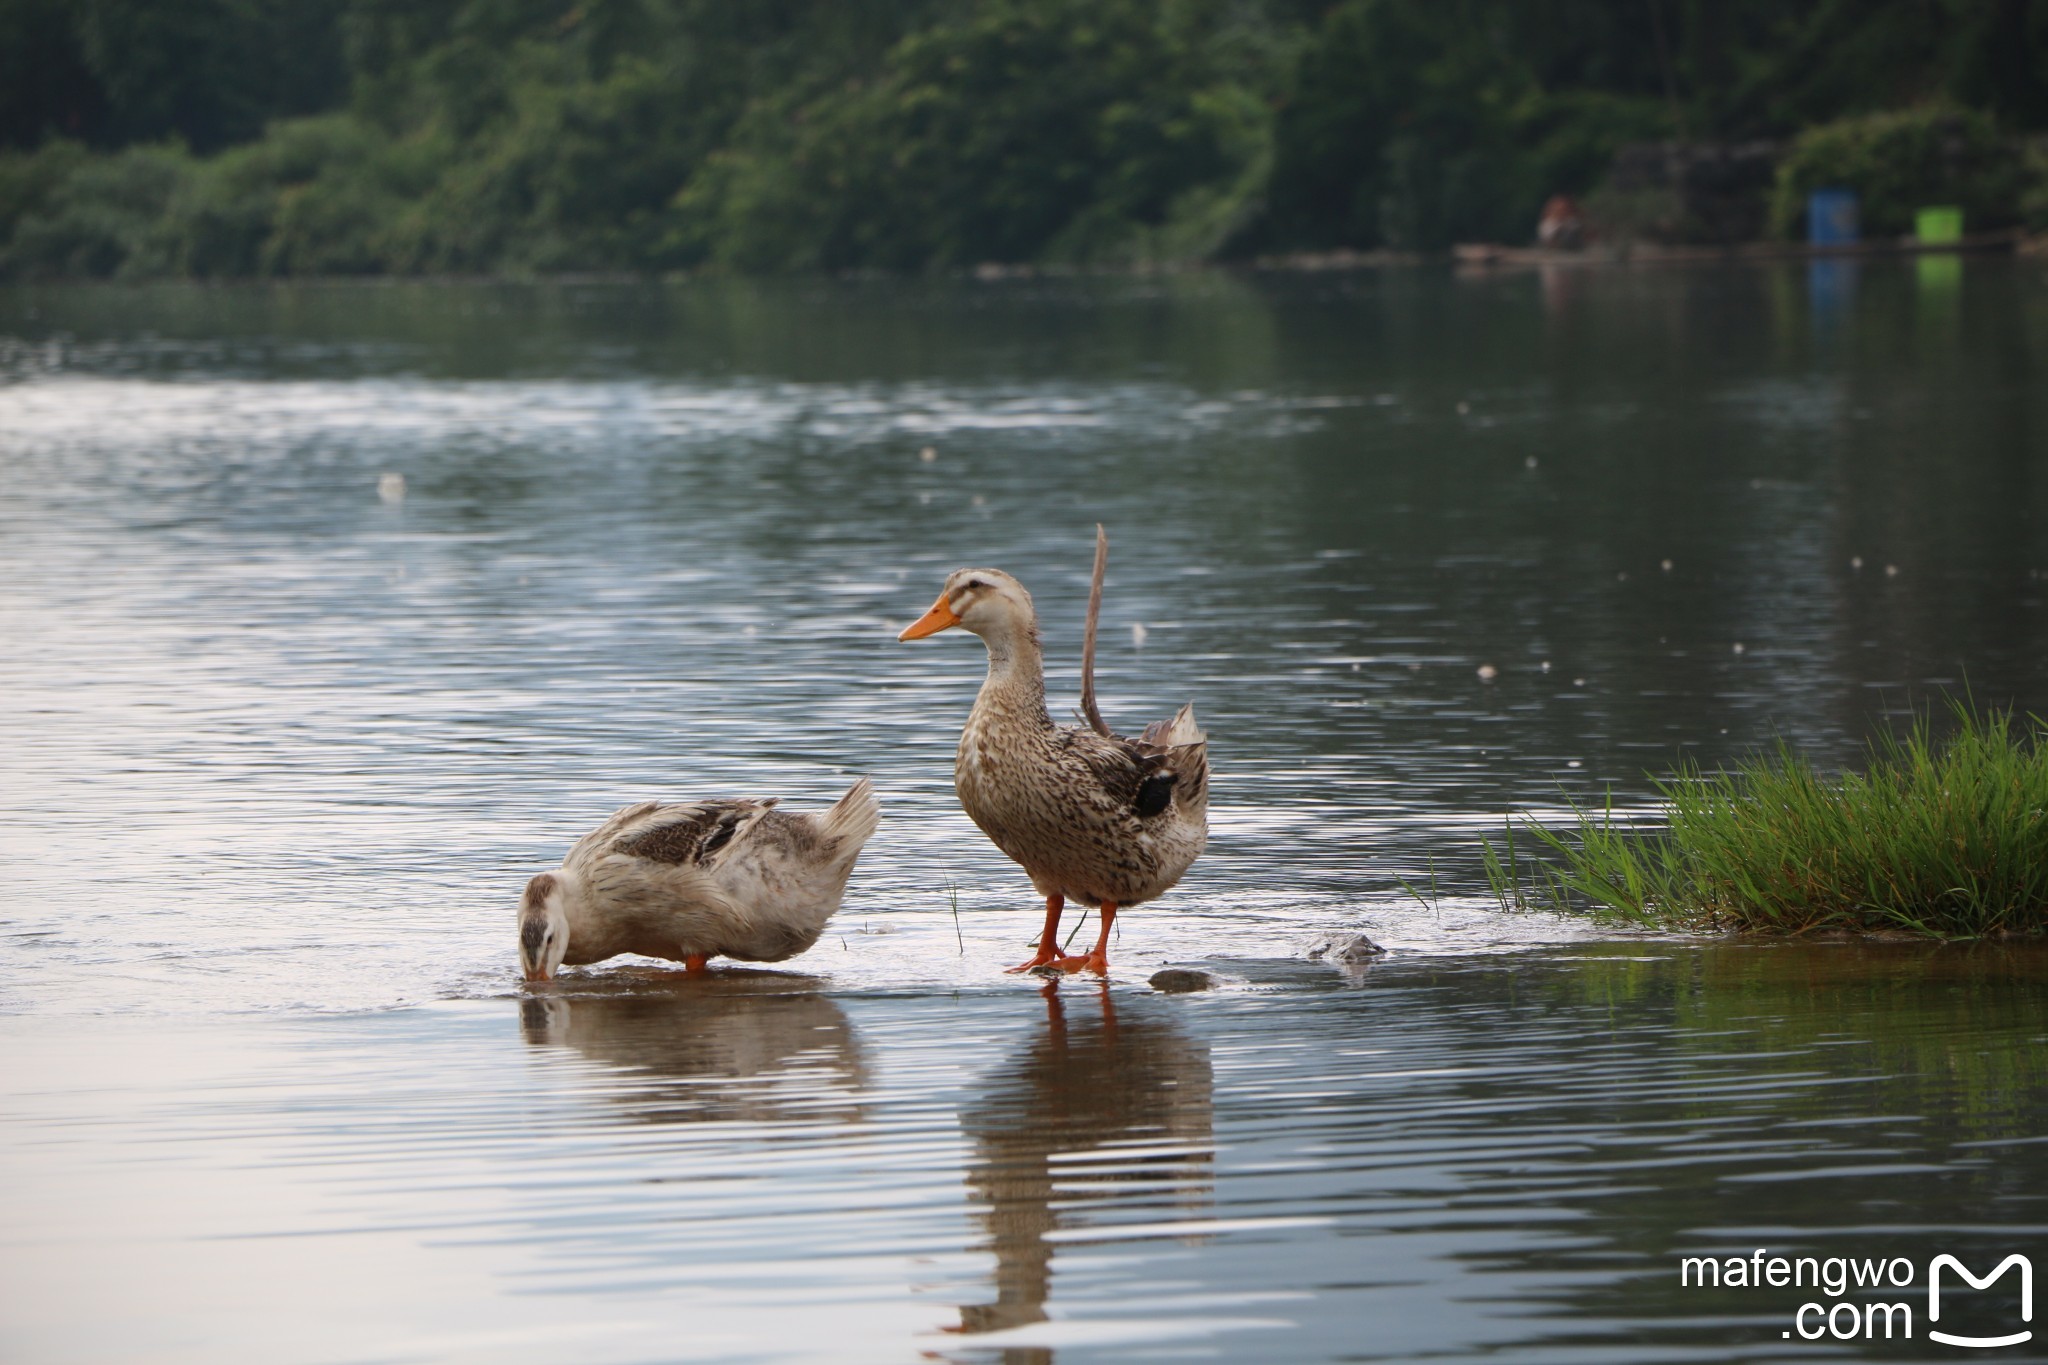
(1860, 1319)
(2026, 1269)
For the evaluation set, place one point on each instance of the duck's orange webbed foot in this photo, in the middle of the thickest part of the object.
(1048, 954)
(696, 964)
(1097, 960)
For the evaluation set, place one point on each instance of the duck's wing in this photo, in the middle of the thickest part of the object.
(686, 835)
(1136, 775)
(1168, 763)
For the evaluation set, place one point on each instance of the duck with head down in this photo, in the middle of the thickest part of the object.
(688, 882)
(1090, 816)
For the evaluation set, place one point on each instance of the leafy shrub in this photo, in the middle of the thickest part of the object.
(27, 179)
(94, 216)
(1899, 163)
(2034, 186)
(220, 219)
(360, 214)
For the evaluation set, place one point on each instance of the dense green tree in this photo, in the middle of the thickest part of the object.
(1070, 129)
(1750, 70)
(209, 72)
(46, 88)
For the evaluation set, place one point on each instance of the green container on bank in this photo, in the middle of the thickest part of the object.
(1938, 226)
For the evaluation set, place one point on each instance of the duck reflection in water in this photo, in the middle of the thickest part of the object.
(736, 1044)
(1107, 1112)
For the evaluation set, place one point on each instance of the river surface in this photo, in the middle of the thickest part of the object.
(331, 613)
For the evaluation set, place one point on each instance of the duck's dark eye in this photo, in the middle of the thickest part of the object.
(975, 583)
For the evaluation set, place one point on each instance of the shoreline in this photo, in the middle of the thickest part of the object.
(2011, 241)
(1464, 256)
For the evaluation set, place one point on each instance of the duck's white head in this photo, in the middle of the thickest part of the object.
(987, 602)
(544, 925)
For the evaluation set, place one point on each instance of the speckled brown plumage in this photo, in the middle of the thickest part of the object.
(1090, 818)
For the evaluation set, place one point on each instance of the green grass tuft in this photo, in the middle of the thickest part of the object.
(1944, 839)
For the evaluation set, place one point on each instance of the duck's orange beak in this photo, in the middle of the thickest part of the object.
(939, 618)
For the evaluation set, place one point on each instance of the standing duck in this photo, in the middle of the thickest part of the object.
(1089, 815)
(736, 878)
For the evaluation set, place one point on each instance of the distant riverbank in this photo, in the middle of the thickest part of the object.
(311, 138)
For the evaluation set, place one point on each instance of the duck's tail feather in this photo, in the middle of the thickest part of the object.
(1171, 734)
(852, 820)
(1184, 750)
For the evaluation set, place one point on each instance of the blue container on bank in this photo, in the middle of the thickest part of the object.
(1831, 218)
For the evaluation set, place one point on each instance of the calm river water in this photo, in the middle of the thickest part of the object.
(284, 736)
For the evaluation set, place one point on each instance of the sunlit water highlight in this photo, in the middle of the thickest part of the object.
(286, 733)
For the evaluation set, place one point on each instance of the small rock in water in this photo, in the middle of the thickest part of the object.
(1180, 980)
(1487, 673)
(1138, 634)
(1856, 563)
(1529, 463)
(391, 488)
(928, 454)
(1738, 646)
(1344, 948)
(1665, 565)
(1891, 571)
